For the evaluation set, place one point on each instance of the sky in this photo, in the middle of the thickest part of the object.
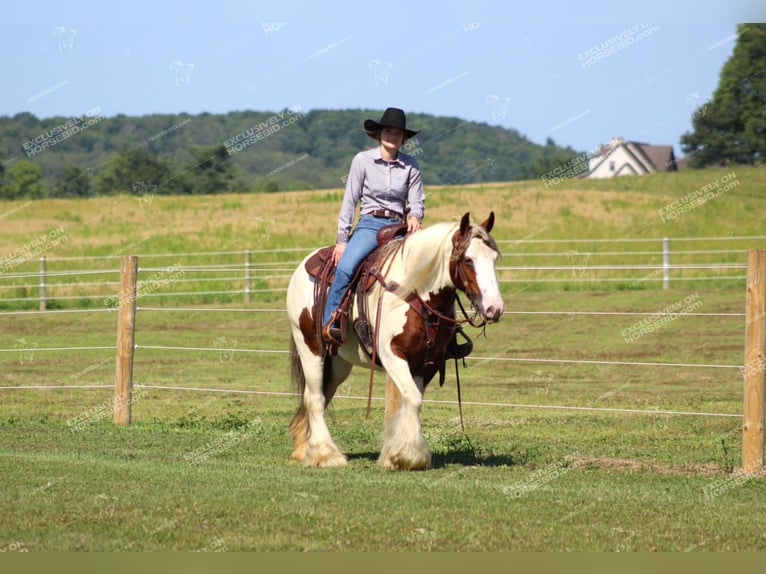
(579, 73)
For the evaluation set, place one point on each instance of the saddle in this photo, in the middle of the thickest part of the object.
(320, 266)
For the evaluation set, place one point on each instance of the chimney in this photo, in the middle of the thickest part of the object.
(616, 141)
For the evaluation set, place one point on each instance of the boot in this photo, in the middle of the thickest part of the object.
(331, 332)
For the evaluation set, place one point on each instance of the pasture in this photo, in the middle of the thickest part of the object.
(582, 454)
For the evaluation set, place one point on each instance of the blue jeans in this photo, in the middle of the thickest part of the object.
(361, 243)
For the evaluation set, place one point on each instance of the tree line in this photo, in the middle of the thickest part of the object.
(244, 152)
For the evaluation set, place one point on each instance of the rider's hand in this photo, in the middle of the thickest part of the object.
(413, 224)
(338, 252)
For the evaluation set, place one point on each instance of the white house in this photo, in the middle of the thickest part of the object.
(622, 157)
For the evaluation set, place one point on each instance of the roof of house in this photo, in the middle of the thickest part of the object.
(660, 156)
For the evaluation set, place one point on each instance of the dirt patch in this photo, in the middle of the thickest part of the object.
(618, 464)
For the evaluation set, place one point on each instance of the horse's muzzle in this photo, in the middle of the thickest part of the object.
(493, 313)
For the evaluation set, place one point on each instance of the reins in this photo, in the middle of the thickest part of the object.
(385, 287)
(411, 299)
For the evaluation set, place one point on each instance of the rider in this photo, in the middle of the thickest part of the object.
(384, 180)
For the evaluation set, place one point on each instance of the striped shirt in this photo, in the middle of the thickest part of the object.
(380, 184)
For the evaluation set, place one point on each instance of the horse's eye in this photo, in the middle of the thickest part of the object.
(468, 261)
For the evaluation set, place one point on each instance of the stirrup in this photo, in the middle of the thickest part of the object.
(331, 332)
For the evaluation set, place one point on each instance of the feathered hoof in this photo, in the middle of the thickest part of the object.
(405, 461)
(299, 453)
(324, 457)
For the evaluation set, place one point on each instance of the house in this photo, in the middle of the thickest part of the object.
(622, 157)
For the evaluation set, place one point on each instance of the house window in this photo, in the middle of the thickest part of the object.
(611, 165)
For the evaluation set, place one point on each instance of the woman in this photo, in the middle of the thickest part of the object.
(383, 180)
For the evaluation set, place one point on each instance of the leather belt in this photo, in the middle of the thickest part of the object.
(387, 213)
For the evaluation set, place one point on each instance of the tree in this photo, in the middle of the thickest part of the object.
(75, 183)
(25, 179)
(137, 166)
(2, 172)
(211, 171)
(731, 127)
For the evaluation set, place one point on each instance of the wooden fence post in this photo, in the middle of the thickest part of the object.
(126, 328)
(43, 298)
(754, 370)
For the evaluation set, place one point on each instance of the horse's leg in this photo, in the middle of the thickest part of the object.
(316, 379)
(393, 398)
(404, 446)
(339, 371)
(319, 449)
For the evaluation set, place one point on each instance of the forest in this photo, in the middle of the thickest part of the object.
(244, 151)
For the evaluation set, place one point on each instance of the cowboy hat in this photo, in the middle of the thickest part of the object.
(391, 118)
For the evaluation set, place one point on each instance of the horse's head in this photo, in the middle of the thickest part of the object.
(472, 266)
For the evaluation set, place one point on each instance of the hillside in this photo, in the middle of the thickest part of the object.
(627, 207)
(580, 235)
(264, 151)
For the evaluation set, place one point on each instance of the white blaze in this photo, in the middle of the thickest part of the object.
(484, 258)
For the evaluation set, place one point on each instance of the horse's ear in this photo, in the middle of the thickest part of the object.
(490, 221)
(465, 222)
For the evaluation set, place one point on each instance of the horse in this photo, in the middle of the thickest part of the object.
(423, 272)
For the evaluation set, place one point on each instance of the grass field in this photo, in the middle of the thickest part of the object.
(210, 471)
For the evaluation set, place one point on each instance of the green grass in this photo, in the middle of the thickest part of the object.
(109, 488)
(521, 478)
(530, 473)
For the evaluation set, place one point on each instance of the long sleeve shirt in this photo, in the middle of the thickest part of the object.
(380, 184)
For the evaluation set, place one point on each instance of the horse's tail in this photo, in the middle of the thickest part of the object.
(299, 425)
(296, 370)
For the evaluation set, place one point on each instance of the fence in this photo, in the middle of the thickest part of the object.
(753, 369)
(527, 263)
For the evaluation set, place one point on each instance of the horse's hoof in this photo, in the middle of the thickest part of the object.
(299, 454)
(400, 463)
(325, 458)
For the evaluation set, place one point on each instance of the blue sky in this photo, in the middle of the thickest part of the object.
(575, 73)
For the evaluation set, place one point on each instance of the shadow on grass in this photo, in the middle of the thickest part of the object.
(444, 459)
(458, 453)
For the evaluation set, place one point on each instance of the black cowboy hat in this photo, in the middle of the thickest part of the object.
(391, 118)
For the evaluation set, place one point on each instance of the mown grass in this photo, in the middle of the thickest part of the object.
(520, 478)
(529, 473)
(109, 488)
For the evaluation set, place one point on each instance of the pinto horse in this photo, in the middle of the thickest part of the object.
(427, 267)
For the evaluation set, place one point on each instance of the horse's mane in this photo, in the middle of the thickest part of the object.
(425, 256)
